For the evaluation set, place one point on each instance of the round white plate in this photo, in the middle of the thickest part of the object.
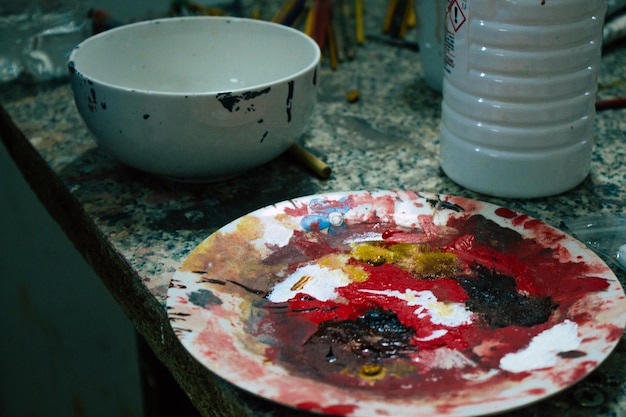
(396, 303)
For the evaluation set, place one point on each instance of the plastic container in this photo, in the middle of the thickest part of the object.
(37, 36)
(430, 36)
(520, 79)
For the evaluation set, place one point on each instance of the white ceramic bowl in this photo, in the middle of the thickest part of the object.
(196, 98)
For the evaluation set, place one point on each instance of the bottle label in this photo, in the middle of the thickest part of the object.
(457, 28)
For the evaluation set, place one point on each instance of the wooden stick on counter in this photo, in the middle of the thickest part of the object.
(312, 162)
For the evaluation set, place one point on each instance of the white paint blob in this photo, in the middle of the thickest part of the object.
(318, 282)
(542, 351)
(445, 314)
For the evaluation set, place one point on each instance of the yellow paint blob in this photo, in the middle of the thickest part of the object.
(340, 261)
(372, 254)
(372, 372)
(250, 227)
(356, 273)
(333, 261)
(435, 264)
(418, 259)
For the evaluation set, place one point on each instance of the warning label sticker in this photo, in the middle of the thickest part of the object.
(455, 15)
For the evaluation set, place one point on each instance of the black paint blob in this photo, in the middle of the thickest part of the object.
(377, 334)
(495, 298)
(289, 100)
(231, 101)
(204, 298)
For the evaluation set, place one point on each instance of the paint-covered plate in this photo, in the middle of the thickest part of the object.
(395, 303)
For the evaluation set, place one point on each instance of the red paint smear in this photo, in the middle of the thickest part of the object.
(311, 247)
(547, 236)
(491, 344)
(505, 213)
(470, 206)
(390, 277)
(575, 374)
(532, 224)
(536, 271)
(401, 236)
(338, 410)
(382, 278)
(466, 249)
(540, 266)
(519, 220)
(536, 391)
(426, 223)
(303, 210)
(615, 333)
(387, 234)
(383, 208)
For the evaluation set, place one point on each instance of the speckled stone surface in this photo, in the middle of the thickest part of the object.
(136, 229)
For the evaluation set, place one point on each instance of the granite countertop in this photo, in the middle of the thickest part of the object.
(135, 229)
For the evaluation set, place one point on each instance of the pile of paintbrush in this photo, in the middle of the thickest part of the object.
(399, 18)
(336, 25)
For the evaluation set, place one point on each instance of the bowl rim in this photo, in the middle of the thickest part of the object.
(75, 71)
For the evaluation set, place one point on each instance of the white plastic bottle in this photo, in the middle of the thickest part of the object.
(518, 95)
